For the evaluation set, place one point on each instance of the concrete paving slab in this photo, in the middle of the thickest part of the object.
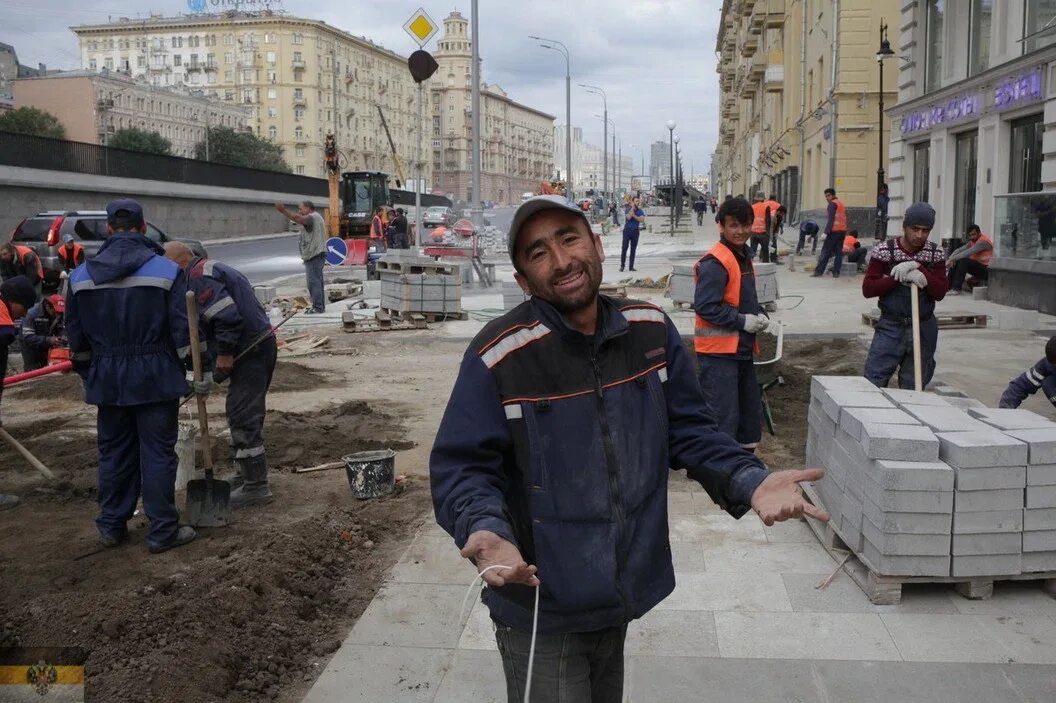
(1009, 598)
(900, 442)
(984, 543)
(906, 523)
(479, 632)
(1011, 419)
(945, 419)
(411, 615)
(843, 595)
(1039, 519)
(834, 401)
(670, 633)
(368, 674)
(473, 676)
(944, 638)
(727, 591)
(1030, 638)
(988, 501)
(980, 449)
(1041, 475)
(818, 384)
(725, 679)
(852, 420)
(1034, 562)
(433, 559)
(996, 565)
(990, 479)
(715, 529)
(687, 557)
(763, 635)
(912, 475)
(1039, 541)
(789, 531)
(898, 544)
(1041, 497)
(902, 397)
(751, 559)
(1041, 444)
(990, 521)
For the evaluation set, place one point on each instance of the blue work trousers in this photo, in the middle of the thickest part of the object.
(832, 247)
(892, 349)
(137, 454)
(733, 397)
(246, 397)
(630, 241)
(313, 271)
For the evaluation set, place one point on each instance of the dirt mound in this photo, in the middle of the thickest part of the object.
(58, 386)
(291, 376)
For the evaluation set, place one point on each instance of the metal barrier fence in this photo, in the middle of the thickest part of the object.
(79, 157)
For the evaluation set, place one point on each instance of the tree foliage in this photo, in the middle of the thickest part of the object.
(226, 146)
(33, 121)
(134, 139)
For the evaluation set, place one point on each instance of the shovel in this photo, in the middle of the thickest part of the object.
(918, 373)
(208, 499)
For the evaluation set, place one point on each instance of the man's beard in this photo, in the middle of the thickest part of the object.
(582, 299)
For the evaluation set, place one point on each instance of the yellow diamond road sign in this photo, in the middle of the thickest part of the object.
(421, 27)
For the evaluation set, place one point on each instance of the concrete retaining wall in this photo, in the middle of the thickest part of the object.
(1023, 283)
(178, 209)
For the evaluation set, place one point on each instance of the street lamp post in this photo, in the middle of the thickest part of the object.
(676, 182)
(884, 52)
(605, 139)
(555, 45)
(671, 143)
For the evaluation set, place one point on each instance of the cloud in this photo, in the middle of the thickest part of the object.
(655, 59)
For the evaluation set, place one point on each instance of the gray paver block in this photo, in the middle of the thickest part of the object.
(1034, 562)
(947, 391)
(818, 384)
(903, 397)
(1041, 475)
(965, 403)
(851, 521)
(908, 523)
(985, 501)
(986, 543)
(1039, 541)
(909, 501)
(1039, 519)
(834, 401)
(894, 544)
(988, 522)
(900, 442)
(946, 419)
(820, 422)
(991, 478)
(887, 565)
(1041, 497)
(1041, 444)
(1010, 418)
(911, 475)
(852, 420)
(976, 450)
(987, 565)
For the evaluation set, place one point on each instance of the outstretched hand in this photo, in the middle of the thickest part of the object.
(778, 497)
(488, 549)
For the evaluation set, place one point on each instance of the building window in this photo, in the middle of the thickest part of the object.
(298, 93)
(964, 185)
(272, 93)
(93, 65)
(921, 171)
(141, 61)
(979, 35)
(271, 57)
(299, 133)
(936, 10)
(298, 114)
(272, 132)
(108, 64)
(1039, 25)
(298, 38)
(273, 112)
(229, 57)
(229, 76)
(1025, 163)
(177, 42)
(299, 152)
(299, 170)
(177, 60)
(269, 38)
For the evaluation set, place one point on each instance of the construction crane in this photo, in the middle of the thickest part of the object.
(392, 148)
(333, 178)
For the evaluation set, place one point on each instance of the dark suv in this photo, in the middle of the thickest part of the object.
(44, 231)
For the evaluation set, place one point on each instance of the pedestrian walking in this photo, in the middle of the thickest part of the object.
(550, 466)
(700, 206)
(971, 259)
(634, 216)
(835, 231)
(126, 318)
(16, 297)
(1041, 376)
(882, 202)
(728, 316)
(43, 329)
(312, 244)
(614, 213)
(908, 260)
(235, 325)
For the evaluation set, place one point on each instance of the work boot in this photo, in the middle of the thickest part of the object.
(8, 501)
(184, 535)
(112, 539)
(254, 489)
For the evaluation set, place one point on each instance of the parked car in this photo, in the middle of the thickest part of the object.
(527, 196)
(438, 215)
(44, 231)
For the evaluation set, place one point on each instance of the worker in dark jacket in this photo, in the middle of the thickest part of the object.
(807, 228)
(16, 297)
(233, 319)
(550, 465)
(895, 265)
(43, 329)
(126, 319)
(19, 260)
(728, 316)
(1041, 375)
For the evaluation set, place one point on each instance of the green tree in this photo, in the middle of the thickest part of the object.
(30, 120)
(134, 139)
(226, 146)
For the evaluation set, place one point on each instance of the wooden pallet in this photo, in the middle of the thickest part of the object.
(417, 266)
(946, 320)
(425, 317)
(887, 590)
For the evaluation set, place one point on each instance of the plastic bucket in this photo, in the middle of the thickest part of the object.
(371, 474)
(186, 440)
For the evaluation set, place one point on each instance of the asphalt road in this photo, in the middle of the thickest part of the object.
(268, 259)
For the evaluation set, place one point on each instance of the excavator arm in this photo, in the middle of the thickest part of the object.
(392, 147)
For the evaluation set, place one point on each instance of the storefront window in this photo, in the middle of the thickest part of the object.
(933, 57)
(1039, 25)
(921, 171)
(964, 182)
(1025, 226)
(1025, 162)
(979, 47)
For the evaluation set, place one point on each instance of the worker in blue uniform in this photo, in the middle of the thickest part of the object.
(126, 321)
(233, 319)
(1041, 376)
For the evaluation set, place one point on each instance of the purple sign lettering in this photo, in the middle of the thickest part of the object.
(1020, 90)
(954, 110)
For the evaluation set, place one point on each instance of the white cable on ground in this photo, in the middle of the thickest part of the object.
(535, 624)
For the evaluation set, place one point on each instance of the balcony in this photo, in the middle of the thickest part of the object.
(297, 64)
(757, 67)
(190, 67)
(300, 101)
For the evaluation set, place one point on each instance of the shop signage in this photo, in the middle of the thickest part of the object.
(954, 110)
(1020, 89)
(198, 6)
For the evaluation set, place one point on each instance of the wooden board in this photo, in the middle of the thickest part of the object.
(946, 320)
(428, 317)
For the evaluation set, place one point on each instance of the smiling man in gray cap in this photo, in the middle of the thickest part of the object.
(550, 466)
(897, 264)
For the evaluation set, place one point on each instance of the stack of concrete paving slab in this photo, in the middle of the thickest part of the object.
(682, 288)
(923, 485)
(413, 284)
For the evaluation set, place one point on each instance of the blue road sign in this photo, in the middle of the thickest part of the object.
(336, 251)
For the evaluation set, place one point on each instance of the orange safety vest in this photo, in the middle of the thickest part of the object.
(5, 315)
(709, 338)
(848, 243)
(23, 252)
(839, 222)
(78, 256)
(377, 228)
(983, 257)
(759, 223)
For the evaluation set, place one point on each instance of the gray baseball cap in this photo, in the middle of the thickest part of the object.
(536, 205)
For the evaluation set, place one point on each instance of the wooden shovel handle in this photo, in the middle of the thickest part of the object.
(196, 361)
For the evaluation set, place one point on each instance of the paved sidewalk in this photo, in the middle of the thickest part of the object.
(745, 623)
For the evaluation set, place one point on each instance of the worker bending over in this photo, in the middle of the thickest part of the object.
(43, 329)
(233, 320)
(1041, 375)
(897, 264)
(16, 297)
(19, 260)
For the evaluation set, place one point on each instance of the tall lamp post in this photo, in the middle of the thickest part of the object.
(605, 139)
(671, 168)
(557, 46)
(884, 52)
(676, 182)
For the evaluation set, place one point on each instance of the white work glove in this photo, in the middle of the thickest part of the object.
(754, 324)
(204, 386)
(773, 328)
(915, 278)
(899, 271)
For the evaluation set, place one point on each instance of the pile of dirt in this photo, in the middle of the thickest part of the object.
(58, 386)
(290, 376)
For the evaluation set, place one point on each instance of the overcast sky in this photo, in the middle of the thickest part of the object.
(654, 58)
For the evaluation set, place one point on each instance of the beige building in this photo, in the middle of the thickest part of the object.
(790, 123)
(93, 106)
(516, 140)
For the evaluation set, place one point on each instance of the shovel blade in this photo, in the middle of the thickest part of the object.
(208, 503)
